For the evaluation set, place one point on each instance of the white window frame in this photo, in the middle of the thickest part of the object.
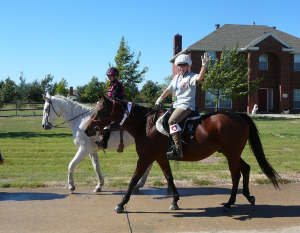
(296, 98)
(212, 54)
(263, 62)
(213, 104)
(296, 62)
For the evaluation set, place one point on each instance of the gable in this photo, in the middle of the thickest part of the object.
(248, 36)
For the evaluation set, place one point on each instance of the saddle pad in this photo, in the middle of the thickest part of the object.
(163, 126)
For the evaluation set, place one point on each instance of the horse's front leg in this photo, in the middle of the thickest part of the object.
(95, 161)
(79, 156)
(143, 180)
(140, 169)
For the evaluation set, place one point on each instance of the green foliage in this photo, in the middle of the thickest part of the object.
(127, 66)
(80, 95)
(93, 87)
(46, 84)
(33, 92)
(228, 78)
(8, 90)
(150, 91)
(117, 183)
(201, 182)
(62, 88)
(21, 90)
(158, 183)
(167, 81)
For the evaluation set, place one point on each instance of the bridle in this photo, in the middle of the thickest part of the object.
(99, 120)
(48, 116)
(48, 112)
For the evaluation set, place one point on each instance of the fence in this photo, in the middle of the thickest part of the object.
(36, 109)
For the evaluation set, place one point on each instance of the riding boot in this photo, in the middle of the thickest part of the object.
(176, 150)
(102, 144)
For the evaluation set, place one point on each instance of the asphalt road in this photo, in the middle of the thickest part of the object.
(56, 210)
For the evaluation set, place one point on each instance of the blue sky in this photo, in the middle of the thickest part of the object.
(76, 40)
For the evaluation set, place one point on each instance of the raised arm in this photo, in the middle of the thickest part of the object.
(205, 60)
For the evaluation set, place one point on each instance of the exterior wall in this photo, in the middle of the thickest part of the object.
(294, 84)
(277, 77)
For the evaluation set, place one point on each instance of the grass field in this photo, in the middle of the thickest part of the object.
(35, 157)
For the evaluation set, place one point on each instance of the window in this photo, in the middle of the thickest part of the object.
(297, 98)
(213, 57)
(263, 62)
(209, 97)
(297, 62)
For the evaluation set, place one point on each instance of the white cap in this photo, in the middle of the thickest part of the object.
(183, 59)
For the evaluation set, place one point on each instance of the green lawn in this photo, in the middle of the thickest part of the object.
(35, 157)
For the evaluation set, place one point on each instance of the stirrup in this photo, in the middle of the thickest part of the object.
(173, 154)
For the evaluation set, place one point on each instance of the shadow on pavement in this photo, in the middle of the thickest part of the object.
(30, 196)
(238, 212)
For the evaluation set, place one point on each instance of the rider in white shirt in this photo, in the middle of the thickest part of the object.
(184, 87)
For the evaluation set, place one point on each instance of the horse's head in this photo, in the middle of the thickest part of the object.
(100, 117)
(50, 113)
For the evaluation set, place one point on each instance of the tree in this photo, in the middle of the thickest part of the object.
(62, 88)
(167, 81)
(8, 90)
(129, 75)
(46, 83)
(34, 92)
(150, 91)
(21, 90)
(80, 94)
(228, 78)
(94, 87)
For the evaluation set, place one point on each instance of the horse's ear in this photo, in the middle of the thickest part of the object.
(102, 96)
(46, 98)
(99, 98)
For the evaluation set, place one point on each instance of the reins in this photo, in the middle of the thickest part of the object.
(126, 112)
(153, 110)
(56, 126)
(73, 118)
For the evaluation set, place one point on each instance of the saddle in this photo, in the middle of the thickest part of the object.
(163, 127)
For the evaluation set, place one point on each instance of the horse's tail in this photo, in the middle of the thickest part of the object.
(257, 149)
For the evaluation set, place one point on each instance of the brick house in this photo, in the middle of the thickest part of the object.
(272, 52)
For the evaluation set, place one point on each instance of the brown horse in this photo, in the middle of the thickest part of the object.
(222, 131)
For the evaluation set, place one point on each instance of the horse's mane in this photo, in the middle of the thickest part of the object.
(141, 109)
(71, 102)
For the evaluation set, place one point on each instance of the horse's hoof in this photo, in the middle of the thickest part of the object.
(119, 209)
(136, 189)
(174, 207)
(252, 200)
(72, 188)
(225, 209)
(97, 189)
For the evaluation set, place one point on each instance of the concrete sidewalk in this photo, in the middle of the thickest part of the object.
(56, 210)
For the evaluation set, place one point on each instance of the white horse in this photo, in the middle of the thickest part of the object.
(76, 116)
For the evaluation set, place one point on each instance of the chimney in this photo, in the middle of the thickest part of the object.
(217, 26)
(274, 27)
(177, 44)
(71, 90)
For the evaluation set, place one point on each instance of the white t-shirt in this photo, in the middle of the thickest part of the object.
(184, 89)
